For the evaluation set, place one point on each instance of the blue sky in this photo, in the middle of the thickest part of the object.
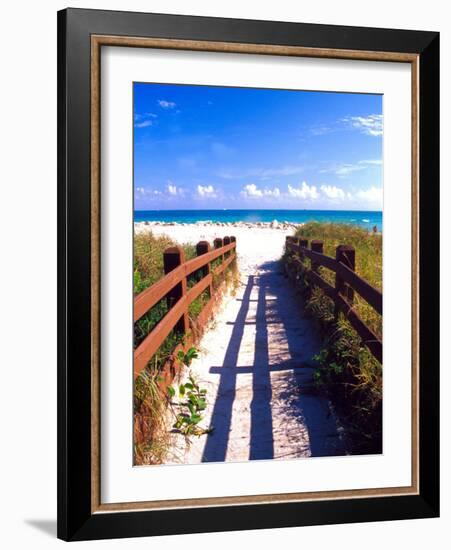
(204, 147)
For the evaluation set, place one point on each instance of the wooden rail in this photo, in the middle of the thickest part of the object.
(173, 286)
(346, 283)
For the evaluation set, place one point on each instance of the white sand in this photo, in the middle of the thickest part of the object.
(255, 244)
(256, 361)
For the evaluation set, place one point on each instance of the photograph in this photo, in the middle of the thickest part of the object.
(257, 274)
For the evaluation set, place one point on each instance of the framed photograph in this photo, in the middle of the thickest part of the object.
(248, 274)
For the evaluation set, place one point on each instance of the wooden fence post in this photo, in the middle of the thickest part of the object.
(344, 254)
(289, 239)
(317, 246)
(203, 247)
(233, 240)
(172, 258)
(217, 243)
(303, 243)
(287, 242)
(226, 240)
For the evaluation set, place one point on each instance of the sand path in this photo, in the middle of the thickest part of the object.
(256, 363)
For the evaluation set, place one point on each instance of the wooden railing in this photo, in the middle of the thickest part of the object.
(174, 288)
(346, 283)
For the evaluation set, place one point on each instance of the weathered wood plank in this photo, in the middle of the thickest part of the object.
(321, 259)
(159, 333)
(152, 295)
(224, 265)
(200, 261)
(319, 281)
(366, 334)
(372, 295)
(198, 288)
(149, 346)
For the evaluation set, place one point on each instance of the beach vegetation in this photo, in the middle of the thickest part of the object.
(192, 400)
(346, 369)
(151, 443)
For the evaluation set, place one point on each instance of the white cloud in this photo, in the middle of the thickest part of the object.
(251, 190)
(304, 191)
(144, 120)
(373, 162)
(371, 125)
(344, 170)
(166, 104)
(172, 189)
(144, 124)
(142, 192)
(272, 192)
(206, 191)
(373, 195)
(333, 192)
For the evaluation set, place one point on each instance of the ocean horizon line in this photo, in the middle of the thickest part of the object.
(363, 218)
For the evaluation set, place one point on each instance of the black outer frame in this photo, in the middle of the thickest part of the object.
(75, 520)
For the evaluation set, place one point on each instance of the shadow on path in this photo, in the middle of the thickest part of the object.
(262, 443)
(216, 445)
(293, 410)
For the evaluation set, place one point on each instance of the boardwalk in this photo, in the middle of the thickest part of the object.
(256, 362)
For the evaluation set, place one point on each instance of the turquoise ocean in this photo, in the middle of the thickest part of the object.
(362, 218)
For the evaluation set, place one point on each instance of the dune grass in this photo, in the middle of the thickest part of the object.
(148, 268)
(368, 259)
(346, 369)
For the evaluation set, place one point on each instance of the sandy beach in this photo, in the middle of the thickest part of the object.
(256, 242)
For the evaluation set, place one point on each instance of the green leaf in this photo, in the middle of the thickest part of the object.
(201, 404)
(193, 399)
(190, 355)
(182, 390)
(171, 391)
(189, 386)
